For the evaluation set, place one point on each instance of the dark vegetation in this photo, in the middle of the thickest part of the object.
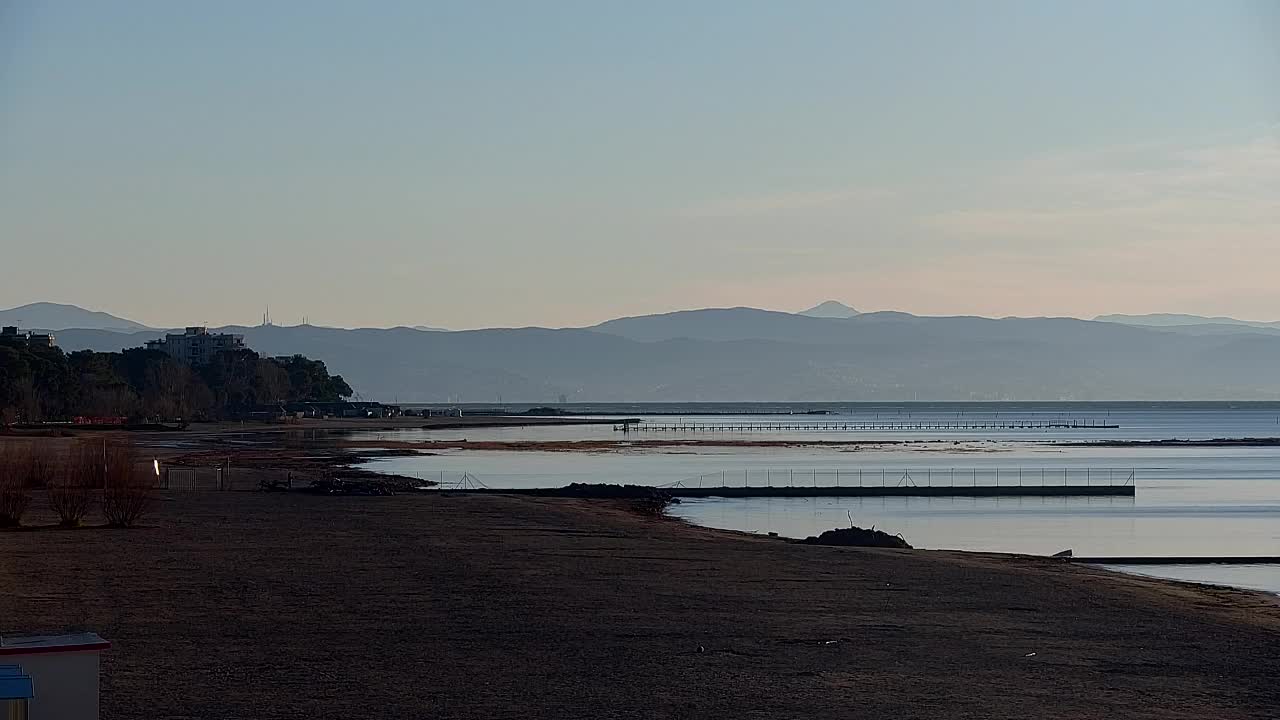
(857, 537)
(16, 466)
(356, 486)
(127, 492)
(544, 411)
(43, 384)
(100, 472)
(644, 499)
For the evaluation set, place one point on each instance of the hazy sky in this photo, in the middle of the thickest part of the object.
(558, 163)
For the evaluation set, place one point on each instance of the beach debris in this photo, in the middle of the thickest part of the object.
(647, 500)
(857, 537)
(1064, 554)
(336, 486)
(274, 485)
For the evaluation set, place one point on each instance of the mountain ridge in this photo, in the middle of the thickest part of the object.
(1178, 320)
(743, 354)
(59, 316)
(873, 357)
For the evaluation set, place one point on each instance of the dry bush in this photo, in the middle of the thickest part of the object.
(14, 495)
(127, 493)
(41, 466)
(22, 468)
(71, 491)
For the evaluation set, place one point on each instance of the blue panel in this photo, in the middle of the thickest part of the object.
(14, 685)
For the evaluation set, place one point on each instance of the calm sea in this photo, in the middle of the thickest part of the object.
(1189, 501)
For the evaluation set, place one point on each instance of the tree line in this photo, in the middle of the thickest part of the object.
(46, 384)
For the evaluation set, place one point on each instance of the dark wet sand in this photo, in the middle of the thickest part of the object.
(246, 605)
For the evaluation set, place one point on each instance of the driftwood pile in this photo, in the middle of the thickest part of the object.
(858, 537)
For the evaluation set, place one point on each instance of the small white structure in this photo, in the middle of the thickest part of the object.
(63, 671)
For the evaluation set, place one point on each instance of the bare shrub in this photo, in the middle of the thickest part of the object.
(127, 493)
(71, 491)
(41, 466)
(14, 495)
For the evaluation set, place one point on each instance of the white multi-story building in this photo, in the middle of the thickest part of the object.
(196, 345)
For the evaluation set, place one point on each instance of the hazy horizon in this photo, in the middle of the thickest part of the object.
(292, 322)
(462, 165)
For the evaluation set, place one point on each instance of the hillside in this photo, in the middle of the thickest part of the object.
(55, 316)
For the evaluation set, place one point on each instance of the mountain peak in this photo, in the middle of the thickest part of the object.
(830, 309)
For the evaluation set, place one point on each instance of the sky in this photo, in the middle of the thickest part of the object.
(474, 164)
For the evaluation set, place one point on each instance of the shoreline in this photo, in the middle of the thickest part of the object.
(1247, 598)
(576, 608)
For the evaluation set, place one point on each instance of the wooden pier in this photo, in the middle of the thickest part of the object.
(865, 426)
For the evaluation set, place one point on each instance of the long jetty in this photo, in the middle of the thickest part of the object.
(866, 425)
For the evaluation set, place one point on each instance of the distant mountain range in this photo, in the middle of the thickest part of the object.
(54, 316)
(739, 354)
(1175, 320)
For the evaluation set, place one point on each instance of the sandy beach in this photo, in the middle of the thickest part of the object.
(254, 605)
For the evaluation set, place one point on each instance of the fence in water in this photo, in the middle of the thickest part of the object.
(816, 482)
(864, 426)
(928, 477)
